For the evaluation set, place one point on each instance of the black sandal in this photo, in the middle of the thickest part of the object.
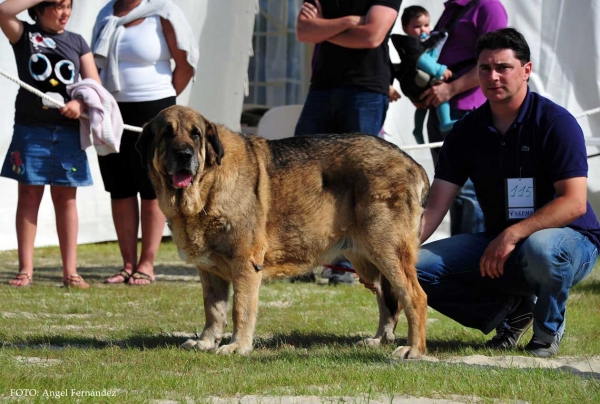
(143, 276)
(126, 275)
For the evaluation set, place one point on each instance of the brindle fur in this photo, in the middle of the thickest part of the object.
(259, 209)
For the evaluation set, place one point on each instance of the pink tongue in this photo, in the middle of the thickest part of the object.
(182, 179)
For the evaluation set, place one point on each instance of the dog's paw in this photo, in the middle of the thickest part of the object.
(199, 345)
(189, 344)
(234, 348)
(407, 352)
(369, 343)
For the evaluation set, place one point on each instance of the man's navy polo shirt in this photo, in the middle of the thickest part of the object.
(545, 143)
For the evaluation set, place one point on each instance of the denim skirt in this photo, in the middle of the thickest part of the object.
(47, 155)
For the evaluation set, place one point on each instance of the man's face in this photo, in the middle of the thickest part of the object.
(417, 26)
(501, 75)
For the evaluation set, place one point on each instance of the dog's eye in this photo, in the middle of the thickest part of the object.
(195, 133)
(169, 132)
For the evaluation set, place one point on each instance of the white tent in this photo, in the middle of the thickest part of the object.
(566, 69)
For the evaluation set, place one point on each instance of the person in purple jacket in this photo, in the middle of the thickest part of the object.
(465, 21)
(527, 159)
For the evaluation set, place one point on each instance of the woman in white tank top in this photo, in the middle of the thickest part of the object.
(144, 63)
(145, 85)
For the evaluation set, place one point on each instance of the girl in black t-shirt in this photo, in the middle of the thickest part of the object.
(45, 148)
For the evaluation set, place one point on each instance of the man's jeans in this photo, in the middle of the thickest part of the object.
(465, 213)
(545, 265)
(342, 110)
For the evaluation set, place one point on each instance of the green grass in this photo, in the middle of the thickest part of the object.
(126, 339)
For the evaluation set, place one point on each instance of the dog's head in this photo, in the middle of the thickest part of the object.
(178, 144)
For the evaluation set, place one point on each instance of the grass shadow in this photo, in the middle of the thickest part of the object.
(445, 346)
(53, 274)
(62, 342)
(277, 341)
(295, 340)
(313, 340)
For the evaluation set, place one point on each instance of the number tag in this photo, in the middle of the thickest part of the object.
(520, 200)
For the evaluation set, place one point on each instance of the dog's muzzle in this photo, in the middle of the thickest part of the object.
(182, 165)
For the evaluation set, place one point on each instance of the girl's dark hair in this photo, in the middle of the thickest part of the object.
(505, 38)
(39, 9)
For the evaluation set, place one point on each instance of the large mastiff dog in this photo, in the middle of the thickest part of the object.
(242, 209)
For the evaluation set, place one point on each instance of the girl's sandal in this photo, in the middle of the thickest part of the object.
(76, 282)
(24, 278)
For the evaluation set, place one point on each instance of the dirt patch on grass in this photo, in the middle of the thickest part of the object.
(589, 366)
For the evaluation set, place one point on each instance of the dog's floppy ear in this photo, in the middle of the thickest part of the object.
(146, 144)
(214, 147)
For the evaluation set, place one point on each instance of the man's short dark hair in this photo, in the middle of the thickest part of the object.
(412, 12)
(505, 38)
(38, 9)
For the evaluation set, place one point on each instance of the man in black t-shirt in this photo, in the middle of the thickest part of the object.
(349, 90)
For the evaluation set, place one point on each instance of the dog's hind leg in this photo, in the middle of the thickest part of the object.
(389, 310)
(387, 300)
(246, 283)
(215, 293)
(398, 266)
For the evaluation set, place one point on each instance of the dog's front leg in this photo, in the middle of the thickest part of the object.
(215, 291)
(245, 308)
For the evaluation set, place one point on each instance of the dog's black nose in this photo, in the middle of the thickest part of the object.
(185, 154)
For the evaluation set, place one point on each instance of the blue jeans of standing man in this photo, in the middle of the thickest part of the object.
(465, 213)
(545, 265)
(342, 110)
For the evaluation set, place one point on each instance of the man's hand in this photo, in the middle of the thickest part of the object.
(447, 75)
(73, 109)
(313, 27)
(394, 95)
(497, 252)
(308, 10)
(438, 94)
(419, 104)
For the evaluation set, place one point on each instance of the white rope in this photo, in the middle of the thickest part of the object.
(52, 100)
(139, 130)
(588, 113)
(422, 146)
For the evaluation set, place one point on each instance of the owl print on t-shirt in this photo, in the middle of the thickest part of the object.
(51, 71)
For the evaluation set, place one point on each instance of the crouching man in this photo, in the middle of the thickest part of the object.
(527, 159)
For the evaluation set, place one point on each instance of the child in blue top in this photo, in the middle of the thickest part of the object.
(418, 51)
